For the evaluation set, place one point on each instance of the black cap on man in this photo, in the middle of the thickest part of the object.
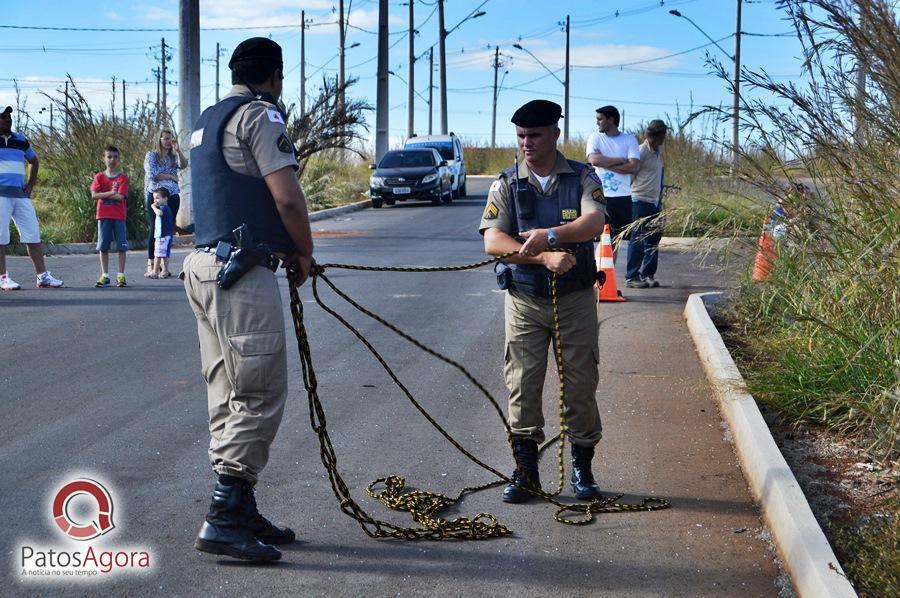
(537, 113)
(254, 60)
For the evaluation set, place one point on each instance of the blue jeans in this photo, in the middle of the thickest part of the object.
(643, 249)
(107, 230)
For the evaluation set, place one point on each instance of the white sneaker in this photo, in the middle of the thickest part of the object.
(8, 284)
(47, 281)
(652, 282)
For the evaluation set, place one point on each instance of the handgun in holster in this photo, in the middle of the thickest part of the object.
(245, 255)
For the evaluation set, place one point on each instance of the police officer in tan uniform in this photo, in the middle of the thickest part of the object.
(244, 173)
(547, 203)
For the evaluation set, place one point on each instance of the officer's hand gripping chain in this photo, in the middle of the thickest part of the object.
(425, 506)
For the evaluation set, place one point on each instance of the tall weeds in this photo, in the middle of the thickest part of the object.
(71, 155)
(822, 330)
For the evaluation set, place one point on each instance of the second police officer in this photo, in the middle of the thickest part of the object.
(547, 203)
(244, 173)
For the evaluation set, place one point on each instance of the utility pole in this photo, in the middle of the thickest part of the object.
(736, 114)
(156, 73)
(442, 35)
(112, 101)
(124, 113)
(218, 54)
(566, 85)
(494, 116)
(165, 112)
(302, 63)
(381, 100)
(411, 94)
(188, 93)
(341, 40)
(430, 85)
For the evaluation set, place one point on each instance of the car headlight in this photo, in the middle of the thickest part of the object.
(376, 181)
(430, 178)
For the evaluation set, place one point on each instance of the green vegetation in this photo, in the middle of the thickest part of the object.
(873, 553)
(68, 162)
(818, 340)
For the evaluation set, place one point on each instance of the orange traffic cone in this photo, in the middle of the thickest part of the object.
(607, 291)
(765, 254)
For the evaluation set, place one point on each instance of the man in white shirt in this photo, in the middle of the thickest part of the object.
(615, 157)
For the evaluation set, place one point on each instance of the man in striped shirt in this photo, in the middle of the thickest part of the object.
(15, 203)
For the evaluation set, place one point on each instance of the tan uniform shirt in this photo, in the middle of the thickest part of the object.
(648, 180)
(255, 141)
(497, 213)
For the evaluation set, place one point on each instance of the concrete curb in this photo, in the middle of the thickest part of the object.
(182, 240)
(804, 550)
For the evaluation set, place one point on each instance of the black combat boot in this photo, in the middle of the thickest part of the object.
(582, 479)
(526, 473)
(265, 531)
(227, 527)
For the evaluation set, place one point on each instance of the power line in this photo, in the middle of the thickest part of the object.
(160, 29)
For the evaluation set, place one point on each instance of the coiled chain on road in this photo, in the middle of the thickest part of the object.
(424, 507)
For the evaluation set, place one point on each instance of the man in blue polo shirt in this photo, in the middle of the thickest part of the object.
(15, 203)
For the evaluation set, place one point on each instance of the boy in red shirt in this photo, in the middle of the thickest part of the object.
(110, 189)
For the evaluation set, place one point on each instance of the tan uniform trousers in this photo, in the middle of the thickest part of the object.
(242, 356)
(529, 332)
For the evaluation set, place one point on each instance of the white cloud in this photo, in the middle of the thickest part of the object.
(112, 15)
(272, 13)
(581, 57)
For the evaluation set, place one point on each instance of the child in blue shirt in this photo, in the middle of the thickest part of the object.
(162, 234)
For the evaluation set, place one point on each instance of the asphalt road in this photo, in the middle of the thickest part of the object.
(106, 383)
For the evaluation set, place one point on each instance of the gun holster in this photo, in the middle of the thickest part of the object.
(243, 259)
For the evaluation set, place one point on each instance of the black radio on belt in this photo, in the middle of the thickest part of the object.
(242, 257)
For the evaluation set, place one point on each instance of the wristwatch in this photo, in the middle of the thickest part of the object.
(551, 238)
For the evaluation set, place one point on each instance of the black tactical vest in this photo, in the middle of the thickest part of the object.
(530, 210)
(224, 199)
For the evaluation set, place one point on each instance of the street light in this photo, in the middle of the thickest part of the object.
(736, 59)
(519, 47)
(443, 55)
(565, 83)
(678, 14)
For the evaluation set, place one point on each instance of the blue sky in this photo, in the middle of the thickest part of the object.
(643, 36)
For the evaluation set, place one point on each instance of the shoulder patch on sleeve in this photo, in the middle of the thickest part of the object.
(495, 186)
(593, 175)
(491, 211)
(284, 144)
(597, 194)
(274, 115)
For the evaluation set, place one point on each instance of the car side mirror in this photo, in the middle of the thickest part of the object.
(443, 163)
(372, 167)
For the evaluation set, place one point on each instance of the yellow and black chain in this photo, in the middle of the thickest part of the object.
(424, 506)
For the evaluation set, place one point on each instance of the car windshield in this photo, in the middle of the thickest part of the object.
(444, 147)
(407, 159)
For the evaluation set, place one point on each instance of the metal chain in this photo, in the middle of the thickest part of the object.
(423, 506)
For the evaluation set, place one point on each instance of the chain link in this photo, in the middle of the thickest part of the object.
(424, 507)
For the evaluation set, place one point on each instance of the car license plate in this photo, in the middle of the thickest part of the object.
(402, 190)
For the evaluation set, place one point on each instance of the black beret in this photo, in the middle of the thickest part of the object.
(256, 48)
(7, 110)
(537, 113)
